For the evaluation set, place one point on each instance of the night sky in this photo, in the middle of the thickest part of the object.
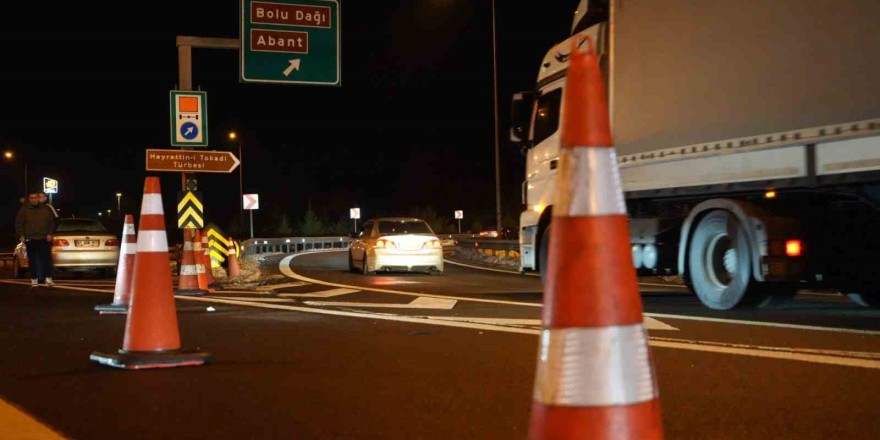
(85, 85)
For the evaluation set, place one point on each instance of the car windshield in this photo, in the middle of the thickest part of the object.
(80, 225)
(404, 227)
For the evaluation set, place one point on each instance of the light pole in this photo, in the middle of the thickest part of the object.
(497, 153)
(119, 204)
(233, 136)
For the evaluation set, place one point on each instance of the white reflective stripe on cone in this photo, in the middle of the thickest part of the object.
(152, 204)
(200, 268)
(130, 248)
(187, 245)
(188, 269)
(599, 366)
(152, 241)
(129, 229)
(589, 183)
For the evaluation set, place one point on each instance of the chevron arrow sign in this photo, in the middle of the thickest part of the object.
(190, 212)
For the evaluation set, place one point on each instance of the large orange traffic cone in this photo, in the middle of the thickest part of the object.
(594, 377)
(127, 251)
(234, 269)
(188, 281)
(152, 338)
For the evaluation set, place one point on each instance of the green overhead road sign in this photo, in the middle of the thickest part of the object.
(290, 42)
(189, 119)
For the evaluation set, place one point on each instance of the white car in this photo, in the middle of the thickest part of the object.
(78, 244)
(396, 244)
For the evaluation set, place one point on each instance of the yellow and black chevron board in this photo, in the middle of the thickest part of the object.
(190, 212)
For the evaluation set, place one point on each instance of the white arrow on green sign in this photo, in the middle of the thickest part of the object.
(290, 41)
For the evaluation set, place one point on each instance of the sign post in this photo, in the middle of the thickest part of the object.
(458, 216)
(251, 202)
(290, 41)
(355, 214)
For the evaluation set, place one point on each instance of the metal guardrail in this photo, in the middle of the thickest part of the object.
(292, 245)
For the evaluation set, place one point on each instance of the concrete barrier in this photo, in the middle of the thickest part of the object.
(503, 254)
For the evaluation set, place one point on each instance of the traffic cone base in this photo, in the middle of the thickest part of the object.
(141, 360)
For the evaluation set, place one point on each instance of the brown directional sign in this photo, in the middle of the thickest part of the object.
(191, 161)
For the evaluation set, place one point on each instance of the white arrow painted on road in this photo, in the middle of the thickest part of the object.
(650, 323)
(322, 294)
(418, 303)
(294, 65)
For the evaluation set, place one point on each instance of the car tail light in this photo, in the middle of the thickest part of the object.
(60, 243)
(432, 244)
(385, 244)
(111, 242)
(793, 248)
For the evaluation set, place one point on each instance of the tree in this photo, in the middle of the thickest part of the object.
(437, 222)
(285, 229)
(312, 225)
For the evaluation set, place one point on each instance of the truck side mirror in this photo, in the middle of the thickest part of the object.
(520, 115)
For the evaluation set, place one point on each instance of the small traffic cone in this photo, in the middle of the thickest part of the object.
(594, 377)
(206, 261)
(127, 251)
(152, 338)
(199, 255)
(234, 269)
(188, 281)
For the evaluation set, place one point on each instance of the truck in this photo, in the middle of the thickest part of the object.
(747, 137)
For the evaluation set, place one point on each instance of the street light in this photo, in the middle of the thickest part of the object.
(232, 137)
(9, 155)
(119, 204)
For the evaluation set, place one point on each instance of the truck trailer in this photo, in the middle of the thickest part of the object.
(747, 137)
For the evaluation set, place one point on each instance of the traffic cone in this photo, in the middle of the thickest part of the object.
(152, 338)
(199, 255)
(594, 377)
(127, 251)
(234, 269)
(188, 281)
(206, 260)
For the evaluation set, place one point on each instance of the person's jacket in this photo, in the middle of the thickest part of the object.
(35, 222)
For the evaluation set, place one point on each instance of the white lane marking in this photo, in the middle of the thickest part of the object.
(83, 289)
(281, 286)
(767, 324)
(365, 315)
(795, 354)
(15, 423)
(513, 272)
(268, 300)
(488, 269)
(782, 353)
(248, 292)
(284, 267)
(321, 294)
(418, 303)
(650, 323)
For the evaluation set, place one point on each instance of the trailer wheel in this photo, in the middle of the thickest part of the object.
(719, 261)
(543, 253)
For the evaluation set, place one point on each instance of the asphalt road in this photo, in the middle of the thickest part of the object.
(334, 355)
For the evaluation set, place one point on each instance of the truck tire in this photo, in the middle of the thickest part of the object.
(719, 261)
(543, 253)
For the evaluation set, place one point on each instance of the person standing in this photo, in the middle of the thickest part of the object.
(44, 199)
(35, 223)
